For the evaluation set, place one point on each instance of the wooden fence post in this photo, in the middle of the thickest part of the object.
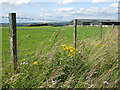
(112, 26)
(74, 32)
(13, 41)
(100, 30)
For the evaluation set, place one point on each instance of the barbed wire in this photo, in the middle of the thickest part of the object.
(36, 20)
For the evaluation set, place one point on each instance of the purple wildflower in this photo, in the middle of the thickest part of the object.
(23, 62)
(105, 82)
(79, 53)
(18, 67)
(26, 63)
(51, 58)
(91, 85)
(20, 63)
(53, 81)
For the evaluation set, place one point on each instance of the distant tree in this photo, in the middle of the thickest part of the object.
(42, 24)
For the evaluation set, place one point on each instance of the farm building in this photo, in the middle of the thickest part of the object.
(110, 23)
(92, 22)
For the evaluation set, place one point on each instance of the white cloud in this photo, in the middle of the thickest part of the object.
(67, 1)
(93, 1)
(114, 5)
(14, 2)
(65, 9)
(66, 14)
(42, 9)
(98, 1)
(72, 1)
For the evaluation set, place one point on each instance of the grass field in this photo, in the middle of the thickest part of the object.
(31, 38)
(54, 67)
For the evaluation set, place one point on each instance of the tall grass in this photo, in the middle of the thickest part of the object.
(95, 65)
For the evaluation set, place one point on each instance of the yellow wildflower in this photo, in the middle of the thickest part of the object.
(99, 45)
(70, 55)
(64, 49)
(68, 48)
(71, 47)
(35, 63)
(71, 50)
(116, 35)
(76, 50)
(73, 53)
(63, 45)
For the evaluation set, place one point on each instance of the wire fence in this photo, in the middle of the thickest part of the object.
(34, 38)
(31, 35)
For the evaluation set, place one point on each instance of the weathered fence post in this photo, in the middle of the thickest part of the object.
(74, 32)
(13, 41)
(100, 30)
(112, 26)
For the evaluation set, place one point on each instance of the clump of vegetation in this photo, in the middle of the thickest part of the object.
(42, 24)
(94, 64)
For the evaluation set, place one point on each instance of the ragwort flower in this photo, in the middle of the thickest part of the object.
(63, 45)
(70, 55)
(64, 49)
(35, 63)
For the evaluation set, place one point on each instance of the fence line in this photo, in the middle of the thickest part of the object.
(13, 39)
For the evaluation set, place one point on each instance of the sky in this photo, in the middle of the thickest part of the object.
(58, 10)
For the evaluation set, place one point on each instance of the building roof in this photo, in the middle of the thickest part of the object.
(98, 20)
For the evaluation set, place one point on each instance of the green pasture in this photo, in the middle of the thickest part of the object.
(30, 39)
(98, 63)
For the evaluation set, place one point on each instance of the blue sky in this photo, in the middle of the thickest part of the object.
(59, 10)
